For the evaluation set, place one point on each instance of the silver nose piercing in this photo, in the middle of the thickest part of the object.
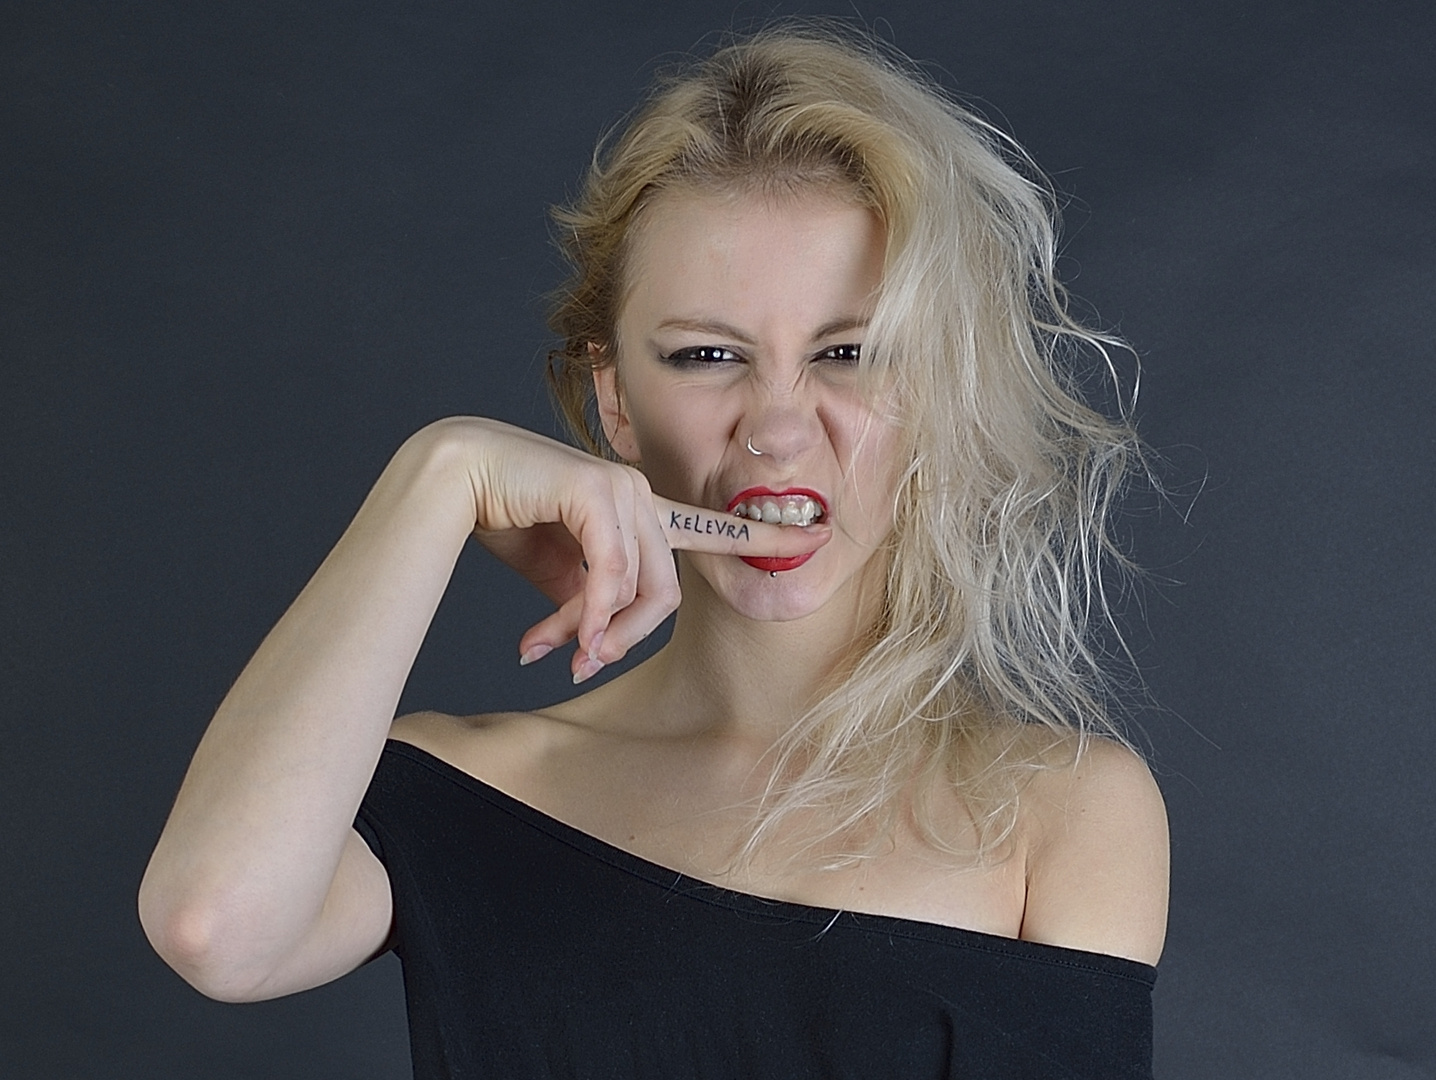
(752, 449)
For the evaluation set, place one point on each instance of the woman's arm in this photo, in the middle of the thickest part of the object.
(259, 886)
(1097, 868)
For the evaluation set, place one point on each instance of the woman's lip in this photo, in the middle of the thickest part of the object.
(770, 564)
(773, 566)
(755, 492)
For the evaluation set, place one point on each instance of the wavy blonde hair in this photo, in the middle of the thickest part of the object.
(983, 662)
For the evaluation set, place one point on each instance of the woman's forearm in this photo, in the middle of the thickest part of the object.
(245, 865)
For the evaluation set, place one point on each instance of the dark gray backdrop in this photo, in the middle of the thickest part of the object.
(247, 248)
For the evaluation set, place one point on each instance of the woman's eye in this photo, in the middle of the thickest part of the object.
(698, 355)
(842, 354)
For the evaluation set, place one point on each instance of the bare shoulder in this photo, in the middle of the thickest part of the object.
(495, 747)
(437, 732)
(1097, 855)
(490, 744)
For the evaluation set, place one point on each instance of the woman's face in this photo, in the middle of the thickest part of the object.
(743, 321)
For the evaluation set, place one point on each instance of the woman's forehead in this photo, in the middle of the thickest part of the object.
(755, 252)
(694, 203)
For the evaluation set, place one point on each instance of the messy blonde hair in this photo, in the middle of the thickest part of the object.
(983, 662)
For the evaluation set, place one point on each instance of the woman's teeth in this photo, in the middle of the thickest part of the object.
(781, 510)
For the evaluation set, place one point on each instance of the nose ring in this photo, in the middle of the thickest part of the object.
(752, 449)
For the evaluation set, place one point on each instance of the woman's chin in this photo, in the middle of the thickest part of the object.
(767, 590)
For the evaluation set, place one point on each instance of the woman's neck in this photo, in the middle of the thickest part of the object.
(725, 674)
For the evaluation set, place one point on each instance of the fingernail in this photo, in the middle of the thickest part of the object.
(587, 670)
(536, 652)
(595, 645)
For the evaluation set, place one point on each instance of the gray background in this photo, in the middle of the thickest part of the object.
(247, 248)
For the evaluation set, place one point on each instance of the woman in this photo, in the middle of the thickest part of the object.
(858, 817)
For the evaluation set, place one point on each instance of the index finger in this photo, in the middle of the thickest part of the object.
(695, 528)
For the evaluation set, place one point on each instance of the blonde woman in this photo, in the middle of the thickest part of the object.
(864, 814)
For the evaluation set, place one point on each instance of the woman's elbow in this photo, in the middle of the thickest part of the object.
(201, 945)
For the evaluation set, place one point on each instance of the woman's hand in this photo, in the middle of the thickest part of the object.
(594, 538)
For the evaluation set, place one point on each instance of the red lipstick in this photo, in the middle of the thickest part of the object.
(770, 564)
(773, 566)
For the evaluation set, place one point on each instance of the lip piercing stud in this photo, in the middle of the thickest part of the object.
(772, 573)
(752, 449)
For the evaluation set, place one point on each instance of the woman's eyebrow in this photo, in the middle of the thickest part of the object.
(707, 326)
(732, 333)
(841, 326)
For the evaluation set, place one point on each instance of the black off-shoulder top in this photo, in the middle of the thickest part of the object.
(533, 950)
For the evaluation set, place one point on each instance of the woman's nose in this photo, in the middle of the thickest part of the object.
(782, 427)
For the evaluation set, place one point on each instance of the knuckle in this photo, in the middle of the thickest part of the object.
(614, 562)
(641, 486)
